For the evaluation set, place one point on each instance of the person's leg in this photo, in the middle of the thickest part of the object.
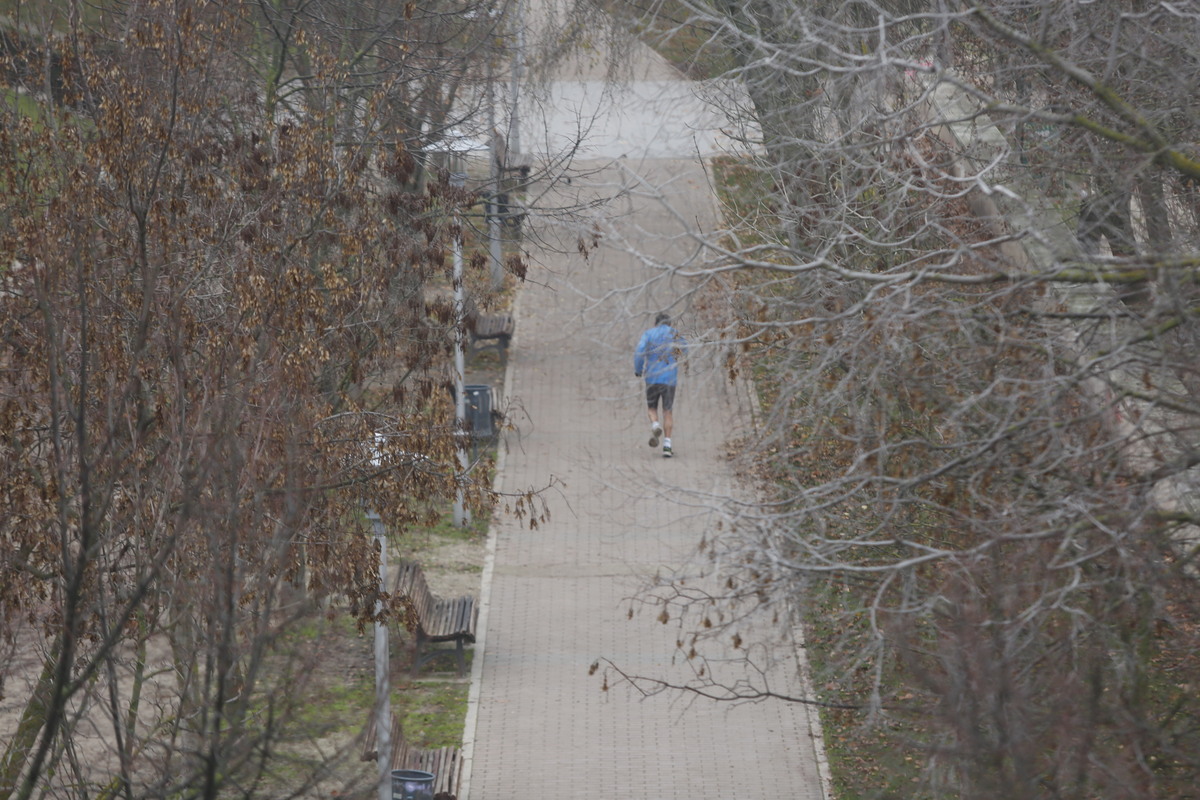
(653, 394)
(668, 405)
(652, 413)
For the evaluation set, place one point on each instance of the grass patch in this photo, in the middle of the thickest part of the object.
(689, 44)
(329, 667)
(746, 192)
(869, 757)
(339, 690)
(442, 532)
(446, 531)
(337, 706)
(433, 713)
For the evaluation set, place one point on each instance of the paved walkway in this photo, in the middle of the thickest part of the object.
(556, 598)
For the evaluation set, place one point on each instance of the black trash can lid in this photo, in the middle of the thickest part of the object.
(412, 775)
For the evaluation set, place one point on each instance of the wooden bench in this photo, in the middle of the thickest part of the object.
(495, 328)
(432, 619)
(445, 763)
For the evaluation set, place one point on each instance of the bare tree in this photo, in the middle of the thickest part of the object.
(970, 278)
(216, 354)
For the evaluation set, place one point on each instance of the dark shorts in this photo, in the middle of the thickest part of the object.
(660, 391)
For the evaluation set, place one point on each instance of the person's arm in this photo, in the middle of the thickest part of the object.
(639, 357)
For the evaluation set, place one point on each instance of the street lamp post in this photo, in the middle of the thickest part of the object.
(514, 123)
(461, 515)
(497, 158)
(383, 705)
(456, 148)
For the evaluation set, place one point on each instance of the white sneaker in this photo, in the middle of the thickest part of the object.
(655, 434)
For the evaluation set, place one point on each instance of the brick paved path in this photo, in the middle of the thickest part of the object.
(556, 597)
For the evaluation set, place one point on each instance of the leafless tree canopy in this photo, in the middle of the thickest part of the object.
(964, 258)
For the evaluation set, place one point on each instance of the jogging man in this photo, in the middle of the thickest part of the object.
(657, 359)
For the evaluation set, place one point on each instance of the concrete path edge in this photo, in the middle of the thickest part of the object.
(485, 582)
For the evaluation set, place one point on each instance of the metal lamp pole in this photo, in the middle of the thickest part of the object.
(497, 158)
(461, 515)
(383, 705)
(514, 123)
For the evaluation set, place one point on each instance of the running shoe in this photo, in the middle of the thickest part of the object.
(655, 434)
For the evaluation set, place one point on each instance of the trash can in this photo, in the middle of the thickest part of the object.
(412, 784)
(479, 410)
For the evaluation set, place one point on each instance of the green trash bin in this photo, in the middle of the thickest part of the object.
(479, 410)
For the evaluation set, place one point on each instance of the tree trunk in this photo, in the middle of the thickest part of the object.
(33, 718)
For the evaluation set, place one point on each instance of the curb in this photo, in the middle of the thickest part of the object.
(485, 582)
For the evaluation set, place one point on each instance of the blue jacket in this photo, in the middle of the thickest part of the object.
(658, 353)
